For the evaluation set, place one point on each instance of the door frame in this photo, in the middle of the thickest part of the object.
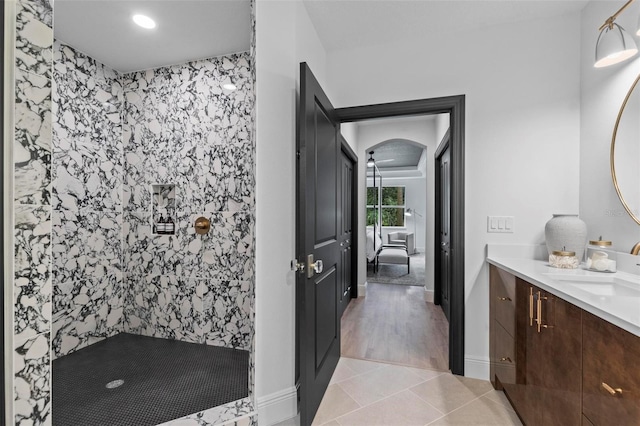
(351, 155)
(437, 271)
(455, 107)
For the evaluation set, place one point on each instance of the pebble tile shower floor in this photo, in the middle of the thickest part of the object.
(163, 380)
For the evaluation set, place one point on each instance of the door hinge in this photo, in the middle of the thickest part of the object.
(298, 154)
(297, 266)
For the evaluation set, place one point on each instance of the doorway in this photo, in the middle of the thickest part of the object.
(455, 107)
(397, 321)
(318, 153)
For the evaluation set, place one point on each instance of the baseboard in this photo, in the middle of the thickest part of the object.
(428, 296)
(362, 289)
(477, 368)
(278, 406)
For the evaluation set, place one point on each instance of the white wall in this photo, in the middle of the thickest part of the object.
(603, 91)
(284, 37)
(373, 132)
(521, 83)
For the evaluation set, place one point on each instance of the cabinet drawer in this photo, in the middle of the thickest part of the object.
(611, 373)
(503, 299)
(505, 356)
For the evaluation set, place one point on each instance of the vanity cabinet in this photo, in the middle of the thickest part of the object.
(559, 364)
(611, 373)
(544, 334)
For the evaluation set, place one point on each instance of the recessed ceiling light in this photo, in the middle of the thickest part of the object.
(144, 21)
(229, 86)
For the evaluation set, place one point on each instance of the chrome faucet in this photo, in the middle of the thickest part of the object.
(636, 249)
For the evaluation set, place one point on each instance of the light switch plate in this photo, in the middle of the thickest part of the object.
(500, 224)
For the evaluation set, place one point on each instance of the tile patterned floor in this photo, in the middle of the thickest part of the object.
(370, 393)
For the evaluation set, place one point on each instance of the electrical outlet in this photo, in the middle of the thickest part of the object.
(500, 224)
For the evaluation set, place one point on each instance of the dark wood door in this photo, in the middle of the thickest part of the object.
(445, 231)
(531, 412)
(553, 362)
(346, 230)
(561, 332)
(611, 373)
(318, 287)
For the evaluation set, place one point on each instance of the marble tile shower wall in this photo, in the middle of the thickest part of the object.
(87, 172)
(182, 127)
(32, 212)
(114, 136)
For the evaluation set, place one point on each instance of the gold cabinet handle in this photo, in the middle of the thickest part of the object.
(504, 299)
(530, 306)
(612, 391)
(539, 312)
(506, 358)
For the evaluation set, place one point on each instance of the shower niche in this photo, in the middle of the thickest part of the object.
(163, 209)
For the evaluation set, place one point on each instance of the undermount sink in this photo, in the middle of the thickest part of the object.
(600, 285)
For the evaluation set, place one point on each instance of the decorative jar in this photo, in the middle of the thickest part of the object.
(564, 259)
(566, 232)
(601, 257)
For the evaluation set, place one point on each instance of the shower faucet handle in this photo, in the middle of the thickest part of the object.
(202, 225)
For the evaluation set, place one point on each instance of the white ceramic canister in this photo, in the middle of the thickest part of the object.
(566, 232)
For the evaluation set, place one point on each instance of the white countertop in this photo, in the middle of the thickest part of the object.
(623, 311)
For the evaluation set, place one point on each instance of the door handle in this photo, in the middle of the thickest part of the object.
(313, 267)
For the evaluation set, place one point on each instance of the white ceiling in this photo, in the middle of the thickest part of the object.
(194, 29)
(186, 30)
(345, 24)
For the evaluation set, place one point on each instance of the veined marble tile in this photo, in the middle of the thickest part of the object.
(86, 244)
(34, 36)
(163, 306)
(87, 133)
(32, 381)
(227, 250)
(224, 179)
(32, 146)
(226, 316)
(86, 312)
(69, 60)
(224, 414)
(32, 291)
(147, 254)
(182, 127)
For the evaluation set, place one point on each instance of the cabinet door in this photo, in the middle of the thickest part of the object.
(611, 373)
(553, 362)
(561, 333)
(502, 327)
(536, 353)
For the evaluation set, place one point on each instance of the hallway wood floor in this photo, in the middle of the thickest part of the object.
(394, 324)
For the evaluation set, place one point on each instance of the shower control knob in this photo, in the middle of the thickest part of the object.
(202, 225)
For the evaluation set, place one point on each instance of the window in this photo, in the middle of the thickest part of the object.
(392, 205)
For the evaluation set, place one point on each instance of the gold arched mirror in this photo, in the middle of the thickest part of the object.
(625, 153)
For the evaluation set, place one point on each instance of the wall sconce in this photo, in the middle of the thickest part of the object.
(614, 45)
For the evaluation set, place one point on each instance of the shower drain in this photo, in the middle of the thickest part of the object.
(115, 384)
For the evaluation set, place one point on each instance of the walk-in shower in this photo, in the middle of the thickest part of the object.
(151, 321)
